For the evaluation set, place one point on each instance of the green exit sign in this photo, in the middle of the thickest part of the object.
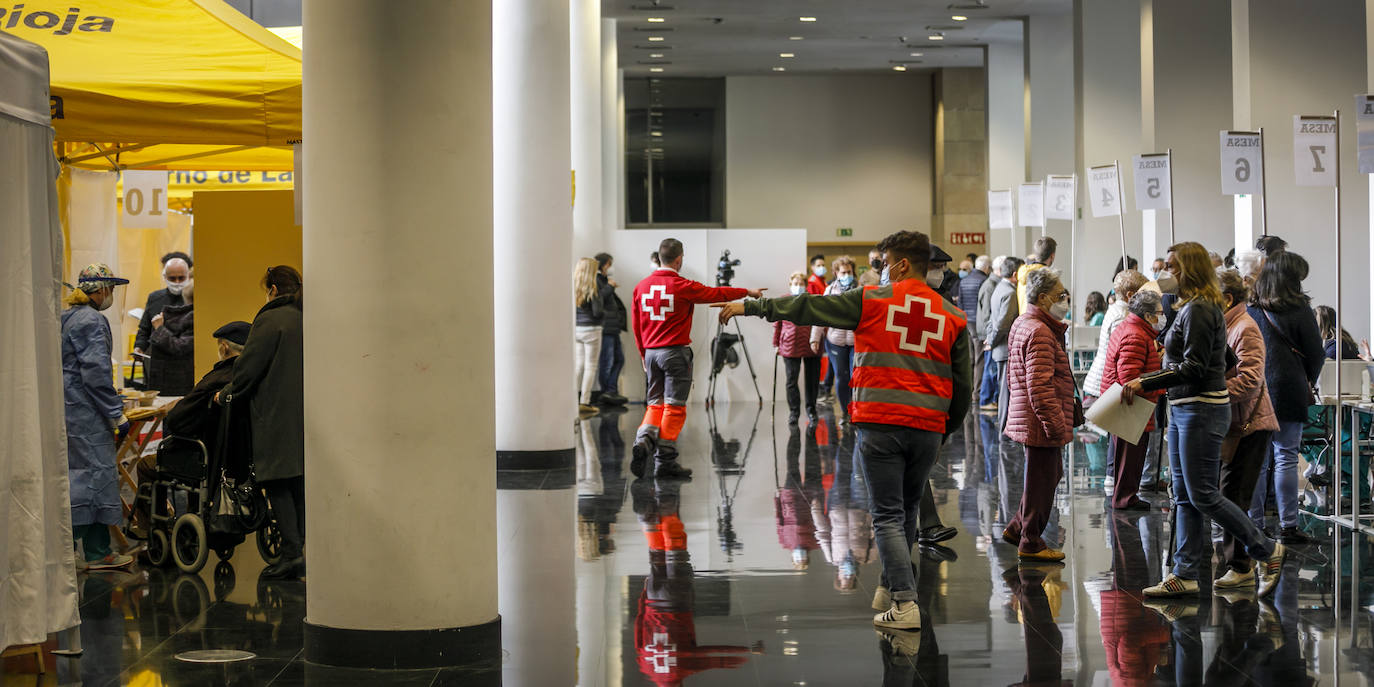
(844, 231)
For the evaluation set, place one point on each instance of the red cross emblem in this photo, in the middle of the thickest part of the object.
(661, 653)
(657, 302)
(906, 321)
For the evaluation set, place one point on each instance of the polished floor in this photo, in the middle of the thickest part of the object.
(760, 571)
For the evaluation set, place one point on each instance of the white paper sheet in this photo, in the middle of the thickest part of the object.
(1125, 421)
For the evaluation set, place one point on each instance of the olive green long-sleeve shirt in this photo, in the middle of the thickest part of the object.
(844, 312)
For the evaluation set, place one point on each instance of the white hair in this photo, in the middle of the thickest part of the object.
(983, 263)
(175, 261)
(997, 264)
(1248, 263)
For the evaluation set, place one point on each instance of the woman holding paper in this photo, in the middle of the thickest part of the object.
(1196, 359)
(1131, 352)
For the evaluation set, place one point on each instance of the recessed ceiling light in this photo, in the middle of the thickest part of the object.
(806, 18)
(957, 17)
(656, 70)
(899, 68)
(660, 20)
(659, 54)
(779, 69)
(915, 54)
(795, 38)
(786, 54)
(932, 37)
(656, 134)
(655, 39)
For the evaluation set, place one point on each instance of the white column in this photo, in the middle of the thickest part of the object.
(398, 429)
(535, 403)
(1369, 84)
(612, 155)
(1053, 119)
(539, 583)
(584, 66)
(1006, 105)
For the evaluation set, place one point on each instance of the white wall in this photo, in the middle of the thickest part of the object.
(1006, 74)
(1053, 120)
(767, 257)
(823, 152)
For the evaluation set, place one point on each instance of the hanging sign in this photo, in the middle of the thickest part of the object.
(1153, 182)
(145, 199)
(1364, 122)
(1314, 150)
(1103, 191)
(1242, 163)
(1060, 197)
(1030, 205)
(999, 210)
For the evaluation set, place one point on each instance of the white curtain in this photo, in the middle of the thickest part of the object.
(37, 566)
(93, 236)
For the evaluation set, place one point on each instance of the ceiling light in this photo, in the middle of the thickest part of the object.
(660, 20)
(915, 54)
(655, 133)
(656, 70)
(779, 69)
(785, 54)
(931, 37)
(794, 38)
(655, 39)
(806, 19)
(659, 54)
(899, 68)
(957, 17)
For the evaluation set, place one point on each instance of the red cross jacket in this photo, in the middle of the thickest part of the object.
(663, 305)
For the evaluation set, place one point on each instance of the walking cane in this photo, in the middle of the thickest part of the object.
(773, 391)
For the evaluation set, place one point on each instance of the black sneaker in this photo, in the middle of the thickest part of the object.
(936, 534)
(608, 398)
(284, 570)
(671, 470)
(1293, 536)
(639, 456)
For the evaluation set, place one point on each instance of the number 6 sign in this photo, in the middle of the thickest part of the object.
(1242, 163)
(145, 200)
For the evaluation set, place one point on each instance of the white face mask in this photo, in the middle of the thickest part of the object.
(818, 270)
(1167, 282)
(1059, 310)
(797, 290)
(1160, 322)
(935, 278)
(174, 288)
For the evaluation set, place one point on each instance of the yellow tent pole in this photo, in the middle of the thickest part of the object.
(205, 153)
(107, 154)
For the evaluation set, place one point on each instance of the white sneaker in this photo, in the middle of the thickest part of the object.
(1172, 586)
(1271, 569)
(901, 643)
(113, 561)
(903, 615)
(882, 599)
(1234, 579)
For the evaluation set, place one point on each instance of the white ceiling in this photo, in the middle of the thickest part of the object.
(732, 37)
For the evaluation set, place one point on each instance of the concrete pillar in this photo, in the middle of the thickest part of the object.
(1369, 85)
(585, 88)
(612, 154)
(538, 594)
(1053, 120)
(535, 402)
(398, 429)
(961, 172)
(1006, 108)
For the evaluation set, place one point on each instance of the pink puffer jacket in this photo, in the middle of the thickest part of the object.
(1131, 352)
(837, 337)
(792, 340)
(1246, 382)
(1041, 405)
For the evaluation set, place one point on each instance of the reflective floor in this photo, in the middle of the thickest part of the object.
(760, 571)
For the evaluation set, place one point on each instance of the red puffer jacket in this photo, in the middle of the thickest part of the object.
(1041, 411)
(1132, 352)
(792, 340)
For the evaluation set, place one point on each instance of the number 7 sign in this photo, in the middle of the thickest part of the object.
(1314, 150)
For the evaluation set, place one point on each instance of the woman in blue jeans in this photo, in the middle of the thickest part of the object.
(838, 344)
(1293, 359)
(1196, 359)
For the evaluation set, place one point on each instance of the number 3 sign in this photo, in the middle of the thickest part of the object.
(145, 200)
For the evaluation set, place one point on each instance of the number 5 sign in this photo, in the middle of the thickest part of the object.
(1153, 182)
(1314, 149)
(1242, 163)
(145, 200)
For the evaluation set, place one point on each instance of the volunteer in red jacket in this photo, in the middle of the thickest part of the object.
(1042, 408)
(912, 384)
(663, 331)
(1132, 351)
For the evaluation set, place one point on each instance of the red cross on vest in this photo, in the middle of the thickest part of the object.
(913, 325)
(657, 302)
(662, 653)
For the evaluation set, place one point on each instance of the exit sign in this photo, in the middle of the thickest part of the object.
(963, 238)
(844, 231)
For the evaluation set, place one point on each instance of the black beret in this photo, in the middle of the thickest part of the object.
(938, 255)
(235, 332)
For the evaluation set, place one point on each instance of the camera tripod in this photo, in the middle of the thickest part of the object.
(715, 370)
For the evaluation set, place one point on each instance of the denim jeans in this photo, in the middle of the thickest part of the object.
(988, 392)
(611, 362)
(842, 362)
(896, 464)
(1282, 469)
(1195, 434)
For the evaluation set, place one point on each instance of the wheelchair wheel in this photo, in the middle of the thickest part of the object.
(224, 580)
(224, 553)
(189, 546)
(269, 542)
(159, 548)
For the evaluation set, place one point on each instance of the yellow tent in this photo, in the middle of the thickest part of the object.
(165, 84)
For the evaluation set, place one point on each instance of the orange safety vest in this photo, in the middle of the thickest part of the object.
(902, 356)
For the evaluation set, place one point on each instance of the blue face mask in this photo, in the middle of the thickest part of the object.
(845, 280)
(886, 278)
(963, 273)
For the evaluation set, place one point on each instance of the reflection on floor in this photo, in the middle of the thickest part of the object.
(760, 571)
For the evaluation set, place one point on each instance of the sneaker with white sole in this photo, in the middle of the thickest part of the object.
(113, 561)
(900, 643)
(1233, 579)
(1271, 569)
(903, 615)
(1172, 585)
(882, 599)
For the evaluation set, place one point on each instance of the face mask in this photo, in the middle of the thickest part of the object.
(1059, 310)
(798, 290)
(818, 270)
(963, 273)
(653, 267)
(886, 279)
(1160, 322)
(935, 278)
(874, 263)
(1167, 282)
(845, 280)
(174, 288)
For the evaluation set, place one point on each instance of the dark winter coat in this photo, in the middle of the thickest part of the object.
(198, 417)
(617, 319)
(968, 297)
(172, 367)
(268, 379)
(1042, 399)
(593, 313)
(1131, 352)
(1290, 373)
(157, 300)
(949, 288)
(1196, 355)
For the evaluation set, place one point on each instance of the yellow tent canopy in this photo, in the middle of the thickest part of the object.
(165, 84)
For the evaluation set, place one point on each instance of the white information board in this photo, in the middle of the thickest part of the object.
(1314, 150)
(145, 199)
(1060, 197)
(1104, 191)
(999, 210)
(1364, 123)
(1153, 182)
(1242, 163)
(1030, 205)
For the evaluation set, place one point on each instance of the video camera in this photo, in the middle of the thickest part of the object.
(725, 269)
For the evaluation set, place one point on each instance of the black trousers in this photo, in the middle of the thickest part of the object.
(795, 366)
(287, 497)
(1238, 478)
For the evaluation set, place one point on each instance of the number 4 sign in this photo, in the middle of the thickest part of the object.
(145, 200)
(1314, 148)
(1104, 192)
